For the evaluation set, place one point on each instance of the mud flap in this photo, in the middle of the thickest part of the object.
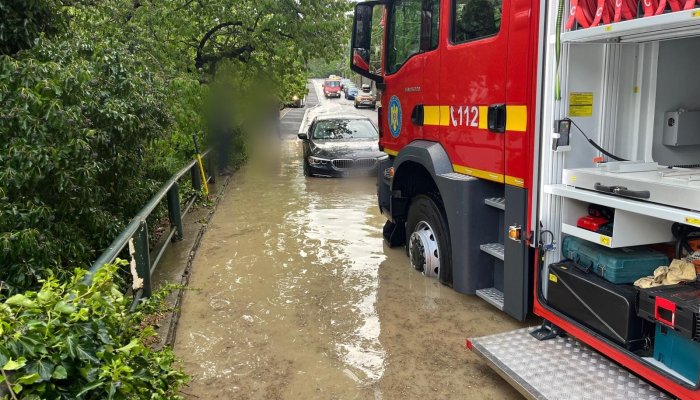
(394, 233)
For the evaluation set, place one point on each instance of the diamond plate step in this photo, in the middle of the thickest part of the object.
(496, 202)
(457, 176)
(495, 249)
(561, 368)
(492, 296)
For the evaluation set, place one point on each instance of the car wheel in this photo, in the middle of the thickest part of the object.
(428, 239)
(356, 106)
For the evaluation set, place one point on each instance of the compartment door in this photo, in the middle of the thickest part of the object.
(473, 83)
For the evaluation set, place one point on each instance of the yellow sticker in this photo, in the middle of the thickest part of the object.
(608, 28)
(692, 221)
(696, 14)
(605, 240)
(572, 178)
(580, 104)
(553, 278)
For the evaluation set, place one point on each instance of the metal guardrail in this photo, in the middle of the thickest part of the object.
(137, 230)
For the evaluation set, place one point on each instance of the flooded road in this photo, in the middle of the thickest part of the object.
(295, 296)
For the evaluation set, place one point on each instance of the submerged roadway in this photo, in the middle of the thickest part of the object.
(295, 295)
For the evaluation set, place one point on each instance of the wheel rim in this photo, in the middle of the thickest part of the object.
(423, 250)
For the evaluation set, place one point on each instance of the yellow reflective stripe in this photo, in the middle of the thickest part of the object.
(431, 115)
(513, 181)
(391, 152)
(444, 115)
(516, 118)
(478, 173)
(436, 115)
(483, 117)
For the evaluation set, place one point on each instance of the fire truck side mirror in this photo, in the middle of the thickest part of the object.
(361, 42)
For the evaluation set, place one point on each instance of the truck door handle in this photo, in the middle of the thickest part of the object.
(418, 115)
(497, 118)
(622, 191)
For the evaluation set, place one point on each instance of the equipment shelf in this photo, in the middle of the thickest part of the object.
(632, 227)
(677, 24)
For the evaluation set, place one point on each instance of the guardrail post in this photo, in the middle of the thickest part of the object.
(196, 178)
(143, 257)
(174, 211)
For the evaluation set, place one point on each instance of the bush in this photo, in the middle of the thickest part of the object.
(73, 341)
(76, 119)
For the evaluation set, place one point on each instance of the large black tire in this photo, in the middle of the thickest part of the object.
(429, 208)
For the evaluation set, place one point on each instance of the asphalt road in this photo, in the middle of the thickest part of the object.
(316, 104)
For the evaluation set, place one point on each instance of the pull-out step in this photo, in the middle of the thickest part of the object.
(492, 296)
(560, 368)
(495, 249)
(496, 202)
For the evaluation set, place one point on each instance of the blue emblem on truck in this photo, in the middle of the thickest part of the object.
(395, 116)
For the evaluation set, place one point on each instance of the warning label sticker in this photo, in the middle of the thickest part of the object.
(580, 104)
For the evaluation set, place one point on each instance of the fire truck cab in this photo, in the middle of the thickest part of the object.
(506, 121)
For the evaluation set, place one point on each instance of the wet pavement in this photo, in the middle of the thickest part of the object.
(295, 296)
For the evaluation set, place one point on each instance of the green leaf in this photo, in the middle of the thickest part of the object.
(20, 300)
(89, 387)
(86, 354)
(43, 367)
(28, 379)
(13, 365)
(127, 349)
(17, 388)
(60, 373)
(64, 308)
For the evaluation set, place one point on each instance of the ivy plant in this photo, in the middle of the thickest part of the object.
(76, 341)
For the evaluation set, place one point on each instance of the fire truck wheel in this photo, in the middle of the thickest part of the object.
(427, 237)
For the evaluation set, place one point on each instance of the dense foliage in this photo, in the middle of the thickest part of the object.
(98, 104)
(73, 341)
(99, 100)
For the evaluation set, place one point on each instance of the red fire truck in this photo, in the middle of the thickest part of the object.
(507, 122)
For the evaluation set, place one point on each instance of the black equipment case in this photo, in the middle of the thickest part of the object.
(676, 306)
(607, 308)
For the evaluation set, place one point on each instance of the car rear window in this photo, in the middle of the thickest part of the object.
(335, 129)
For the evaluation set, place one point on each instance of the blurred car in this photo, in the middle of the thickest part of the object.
(348, 86)
(365, 99)
(344, 83)
(366, 88)
(341, 147)
(351, 93)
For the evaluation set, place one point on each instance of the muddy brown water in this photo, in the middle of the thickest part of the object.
(295, 296)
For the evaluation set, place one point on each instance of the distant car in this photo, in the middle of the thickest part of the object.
(351, 93)
(344, 83)
(348, 86)
(366, 88)
(341, 147)
(331, 88)
(365, 99)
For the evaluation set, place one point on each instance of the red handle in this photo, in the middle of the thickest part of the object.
(667, 305)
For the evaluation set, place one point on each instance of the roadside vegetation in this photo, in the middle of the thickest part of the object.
(98, 104)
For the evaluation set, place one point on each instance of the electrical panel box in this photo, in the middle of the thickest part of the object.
(682, 128)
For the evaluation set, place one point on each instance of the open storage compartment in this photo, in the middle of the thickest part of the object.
(630, 87)
(629, 229)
